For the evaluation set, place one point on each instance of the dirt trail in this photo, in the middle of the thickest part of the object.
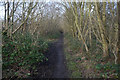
(60, 69)
(55, 66)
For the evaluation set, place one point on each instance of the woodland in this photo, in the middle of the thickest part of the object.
(88, 32)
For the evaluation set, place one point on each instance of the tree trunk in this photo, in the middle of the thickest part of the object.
(102, 31)
(118, 5)
(80, 36)
(118, 56)
(8, 19)
(23, 15)
(12, 20)
(5, 17)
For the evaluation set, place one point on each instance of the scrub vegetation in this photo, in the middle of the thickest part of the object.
(88, 32)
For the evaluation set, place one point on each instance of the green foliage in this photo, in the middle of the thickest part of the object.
(106, 69)
(78, 59)
(76, 74)
(42, 44)
(22, 51)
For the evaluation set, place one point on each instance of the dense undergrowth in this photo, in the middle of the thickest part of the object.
(90, 64)
(21, 53)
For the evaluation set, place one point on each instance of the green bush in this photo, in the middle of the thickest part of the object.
(22, 51)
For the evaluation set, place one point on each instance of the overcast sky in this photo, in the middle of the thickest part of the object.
(1, 11)
(2, 7)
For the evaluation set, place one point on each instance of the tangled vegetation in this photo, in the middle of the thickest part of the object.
(22, 53)
(90, 29)
(25, 41)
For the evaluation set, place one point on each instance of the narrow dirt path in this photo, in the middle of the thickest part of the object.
(60, 67)
(55, 67)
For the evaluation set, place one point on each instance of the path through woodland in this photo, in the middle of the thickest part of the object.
(55, 67)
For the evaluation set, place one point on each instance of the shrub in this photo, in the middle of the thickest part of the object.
(22, 52)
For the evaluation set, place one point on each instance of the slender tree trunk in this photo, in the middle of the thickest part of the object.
(8, 19)
(12, 20)
(104, 12)
(90, 30)
(118, 5)
(118, 56)
(5, 16)
(80, 36)
(102, 32)
(23, 15)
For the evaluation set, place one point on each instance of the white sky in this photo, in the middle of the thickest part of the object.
(1, 12)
